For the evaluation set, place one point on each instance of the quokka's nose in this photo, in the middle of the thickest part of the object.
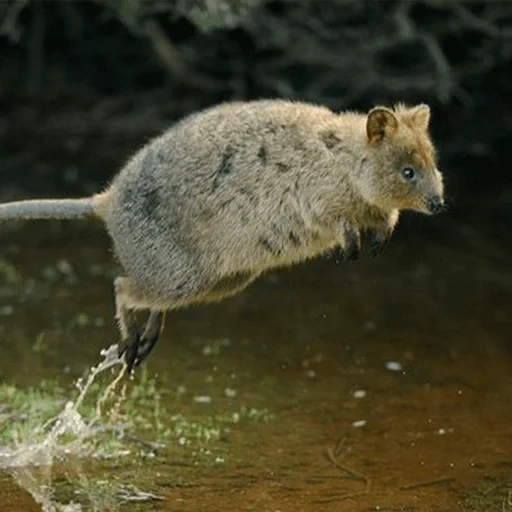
(435, 204)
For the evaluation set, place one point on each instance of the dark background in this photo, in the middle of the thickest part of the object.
(84, 83)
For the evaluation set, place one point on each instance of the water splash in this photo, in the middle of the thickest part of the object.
(90, 494)
(38, 483)
(69, 434)
(69, 422)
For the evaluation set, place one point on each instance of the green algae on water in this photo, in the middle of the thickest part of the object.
(492, 496)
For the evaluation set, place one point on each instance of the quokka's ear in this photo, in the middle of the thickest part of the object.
(381, 123)
(421, 116)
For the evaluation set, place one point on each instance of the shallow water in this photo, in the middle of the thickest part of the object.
(380, 385)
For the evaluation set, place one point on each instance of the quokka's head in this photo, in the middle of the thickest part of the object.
(403, 171)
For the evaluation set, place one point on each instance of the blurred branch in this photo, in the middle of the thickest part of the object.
(370, 56)
(9, 26)
(341, 51)
(171, 58)
(406, 28)
(445, 78)
(35, 58)
(469, 19)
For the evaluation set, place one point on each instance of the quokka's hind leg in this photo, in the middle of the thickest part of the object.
(134, 347)
(126, 322)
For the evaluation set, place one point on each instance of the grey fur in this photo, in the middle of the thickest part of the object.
(236, 190)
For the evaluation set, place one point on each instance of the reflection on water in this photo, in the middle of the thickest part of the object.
(379, 385)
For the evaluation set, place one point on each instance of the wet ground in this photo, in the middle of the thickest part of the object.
(380, 385)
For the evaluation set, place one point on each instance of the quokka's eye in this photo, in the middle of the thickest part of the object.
(408, 173)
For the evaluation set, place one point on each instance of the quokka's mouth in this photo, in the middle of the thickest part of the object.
(434, 205)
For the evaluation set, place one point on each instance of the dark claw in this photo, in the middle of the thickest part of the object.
(150, 336)
(135, 353)
(138, 348)
(122, 349)
(352, 247)
(130, 347)
(130, 351)
(131, 357)
(376, 244)
(144, 349)
(351, 253)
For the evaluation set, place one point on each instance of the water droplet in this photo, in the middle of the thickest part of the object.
(394, 366)
(203, 399)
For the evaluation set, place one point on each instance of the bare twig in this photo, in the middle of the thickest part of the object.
(171, 58)
(328, 52)
(153, 446)
(475, 22)
(444, 73)
(36, 52)
(9, 26)
(406, 28)
(426, 483)
(352, 472)
(341, 497)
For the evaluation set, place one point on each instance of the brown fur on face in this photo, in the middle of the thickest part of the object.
(399, 140)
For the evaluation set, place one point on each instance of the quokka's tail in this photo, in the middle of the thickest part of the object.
(54, 208)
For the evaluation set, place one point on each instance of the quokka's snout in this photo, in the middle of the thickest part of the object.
(433, 194)
(435, 204)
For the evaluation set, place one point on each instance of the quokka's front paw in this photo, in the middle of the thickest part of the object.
(352, 245)
(377, 242)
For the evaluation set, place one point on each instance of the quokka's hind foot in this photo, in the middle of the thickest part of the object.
(149, 338)
(125, 316)
(129, 349)
(130, 354)
(134, 347)
(137, 348)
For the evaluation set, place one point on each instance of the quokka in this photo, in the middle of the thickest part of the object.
(226, 194)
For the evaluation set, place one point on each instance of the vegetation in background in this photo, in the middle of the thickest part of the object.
(338, 52)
